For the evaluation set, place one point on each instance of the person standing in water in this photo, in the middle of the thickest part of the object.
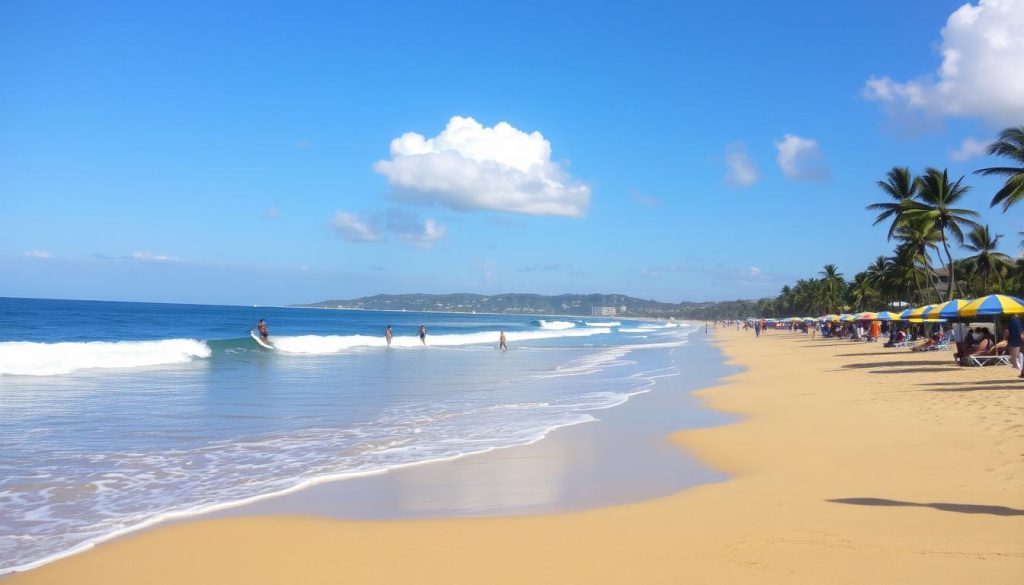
(423, 335)
(388, 335)
(262, 328)
(502, 345)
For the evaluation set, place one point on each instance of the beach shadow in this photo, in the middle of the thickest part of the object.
(891, 352)
(913, 370)
(961, 508)
(981, 383)
(962, 389)
(897, 364)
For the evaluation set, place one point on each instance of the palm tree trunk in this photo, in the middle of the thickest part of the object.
(952, 276)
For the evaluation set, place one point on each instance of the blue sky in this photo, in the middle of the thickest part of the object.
(242, 153)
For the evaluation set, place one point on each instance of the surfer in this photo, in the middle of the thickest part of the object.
(501, 342)
(423, 335)
(388, 334)
(264, 334)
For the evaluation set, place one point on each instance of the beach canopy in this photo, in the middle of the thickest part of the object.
(887, 316)
(916, 313)
(993, 305)
(866, 316)
(948, 309)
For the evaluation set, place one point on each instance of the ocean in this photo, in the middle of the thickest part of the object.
(115, 416)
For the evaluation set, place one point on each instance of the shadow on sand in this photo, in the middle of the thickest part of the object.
(961, 508)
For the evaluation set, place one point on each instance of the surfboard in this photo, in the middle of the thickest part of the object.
(257, 339)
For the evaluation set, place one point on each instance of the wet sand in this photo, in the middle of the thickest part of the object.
(851, 463)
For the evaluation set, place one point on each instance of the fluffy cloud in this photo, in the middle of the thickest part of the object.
(37, 254)
(969, 149)
(406, 226)
(801, 159)
(742, 172)
(411, 230)
(980, 74)
(469, 166)
(350, 227)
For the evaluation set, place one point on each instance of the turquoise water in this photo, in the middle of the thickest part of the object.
(114, 416)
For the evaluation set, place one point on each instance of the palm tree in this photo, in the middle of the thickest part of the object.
(920, 238)
(1011, 145)
(986, 258)
(901, 187)
(833, 284)
(935, 202)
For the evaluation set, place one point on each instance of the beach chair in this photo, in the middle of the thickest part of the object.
(943, 343)
(984, 360)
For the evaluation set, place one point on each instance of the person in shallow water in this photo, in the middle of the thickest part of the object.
(423, 335)
(502, 345)
(262, 328)
(388, 335)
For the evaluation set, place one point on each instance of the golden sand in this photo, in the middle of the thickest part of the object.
(853, 464)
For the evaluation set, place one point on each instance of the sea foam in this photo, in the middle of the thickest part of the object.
(555, 325)
(27, 358)
(327, 344)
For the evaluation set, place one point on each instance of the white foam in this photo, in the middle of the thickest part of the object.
(327, 344)
(27, 358)
(637, 329)
(603, 323)
(556, 325)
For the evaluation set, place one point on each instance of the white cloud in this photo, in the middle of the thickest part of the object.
(742, 172)
(801, 159)
(469, 167)
(969, 149)
(980, 74)
(151, 257)
(411, 230)
(37, 254)
(350, 227)
(405, 225)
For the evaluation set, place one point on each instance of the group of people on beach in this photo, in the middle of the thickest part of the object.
(388, 335)
(977, 342)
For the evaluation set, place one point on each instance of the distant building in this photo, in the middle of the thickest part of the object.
(603, 311)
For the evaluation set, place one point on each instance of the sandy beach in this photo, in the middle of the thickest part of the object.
(850, 463)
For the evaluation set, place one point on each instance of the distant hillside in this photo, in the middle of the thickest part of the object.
(532, 304)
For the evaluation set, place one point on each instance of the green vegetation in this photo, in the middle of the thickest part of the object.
(926, 222)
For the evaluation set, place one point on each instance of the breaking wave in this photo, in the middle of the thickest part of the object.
(555, 325)
(28, 358)
(325, 344)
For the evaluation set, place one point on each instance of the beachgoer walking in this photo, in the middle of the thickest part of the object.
(388, 335)
(502, 345)
(1014, 343)
(262, 328)
(423, 335)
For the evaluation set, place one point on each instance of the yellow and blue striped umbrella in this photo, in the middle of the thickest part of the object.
(993, 305)
(915, 313)
(947, 310)
(887, 316)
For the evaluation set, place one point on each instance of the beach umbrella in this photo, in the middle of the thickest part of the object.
(948, 309)
(887, 316)
(993, 305)
(915, 313)
(866, 316)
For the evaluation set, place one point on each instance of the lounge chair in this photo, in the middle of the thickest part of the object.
(984, 360)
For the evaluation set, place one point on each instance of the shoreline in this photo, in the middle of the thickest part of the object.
(866, 469)
(343, 485)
